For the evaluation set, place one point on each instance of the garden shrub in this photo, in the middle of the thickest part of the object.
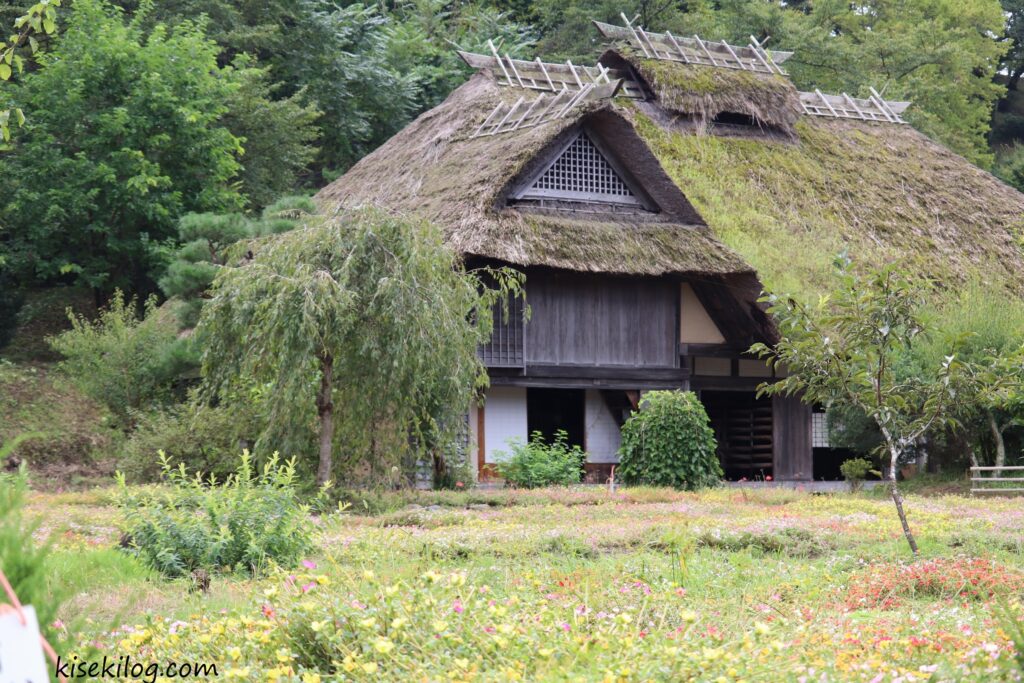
(123, 362)
(538, 463)
(23, 560)
(205, 438)
(668, 443)
(249, 520)
(855, 471)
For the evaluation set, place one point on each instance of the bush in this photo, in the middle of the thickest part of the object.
(12, 298)
(246, 522)
(23, 560)
(205, 438)
(855, 471)
(668, 443)
(123, 362)
(537, 463)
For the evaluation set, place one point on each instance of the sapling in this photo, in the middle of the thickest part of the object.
(846, 349)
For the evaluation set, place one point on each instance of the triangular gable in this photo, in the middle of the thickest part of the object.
(581, 173)
(596, 167)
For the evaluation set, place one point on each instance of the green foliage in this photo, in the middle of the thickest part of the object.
(849, 349)
(204, 438)
(40, 19)
(22, 558)
(278, 135)
(855, 470)
(12, 298)
(248, 521)
(539, 463)
(98, 174)
(1009, 166)
(206, 239)
(121, 361)
(668, 442)
(367, 311)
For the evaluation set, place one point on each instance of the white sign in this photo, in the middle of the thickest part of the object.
(21, 652)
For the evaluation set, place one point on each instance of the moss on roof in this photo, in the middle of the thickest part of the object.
(882, 192)
(705, 92)
(434, 168)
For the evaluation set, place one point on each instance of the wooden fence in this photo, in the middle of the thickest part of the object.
(1011, 484)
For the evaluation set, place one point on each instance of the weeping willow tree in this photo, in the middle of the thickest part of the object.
(363, 327)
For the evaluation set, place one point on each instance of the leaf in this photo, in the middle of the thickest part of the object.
(5, 72)
(19, 115)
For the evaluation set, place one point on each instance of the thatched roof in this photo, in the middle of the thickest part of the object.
(436, 169)
(880, 191)
(704, 92)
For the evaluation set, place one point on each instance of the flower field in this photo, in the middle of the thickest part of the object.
(580, 585)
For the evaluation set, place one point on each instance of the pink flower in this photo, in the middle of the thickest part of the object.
(358, 605)
(566, 627)
(309, 564)
(457, 607)
(681, 592)
(768, 478)
(309, 586)
(459, 485)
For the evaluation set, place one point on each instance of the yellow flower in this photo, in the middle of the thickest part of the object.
(368, 575)
(309, 677)
(370, 667)
(689, 616)
(398, 622)
(323, 581)
(383, 645)
(462, 662)
(369, 622)
(235, 653)
(391, 591)
(317, 626)
(762, 628)
(440, 625)
(284, 655)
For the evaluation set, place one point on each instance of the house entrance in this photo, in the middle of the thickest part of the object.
(743, 429)
(548, 410)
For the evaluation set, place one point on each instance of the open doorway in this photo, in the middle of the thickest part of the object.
(548, 410)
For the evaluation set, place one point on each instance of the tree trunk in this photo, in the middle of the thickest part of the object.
(325, 410)
(997, 435)
(894, 489)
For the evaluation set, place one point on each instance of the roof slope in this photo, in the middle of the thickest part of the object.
(787, 204)
(882, 192)
(436, 169)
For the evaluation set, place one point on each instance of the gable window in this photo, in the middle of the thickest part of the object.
(579, 175)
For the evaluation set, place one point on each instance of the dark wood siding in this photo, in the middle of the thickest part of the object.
(793, 455)
(604, 320)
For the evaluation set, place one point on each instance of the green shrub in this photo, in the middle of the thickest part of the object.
(855, 470)
(668, 443)
(123, 362)
(538, 463)
(205, 438)
(245, 522)
(12, 298)
(22, 559)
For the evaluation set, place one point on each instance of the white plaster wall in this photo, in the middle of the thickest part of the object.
(602, 434)
(695, 325)
(504, 419)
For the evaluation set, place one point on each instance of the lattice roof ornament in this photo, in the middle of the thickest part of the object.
(694, 50)
(524, 113)
(549, 76)
(844, 106)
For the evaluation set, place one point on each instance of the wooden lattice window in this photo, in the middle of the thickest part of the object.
(581, 173)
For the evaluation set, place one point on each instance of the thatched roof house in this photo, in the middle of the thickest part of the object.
(640, 194)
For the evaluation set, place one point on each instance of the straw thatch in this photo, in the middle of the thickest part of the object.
(704, 92)
(435, 169)
(881, 192)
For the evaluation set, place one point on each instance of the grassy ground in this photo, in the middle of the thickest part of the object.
(581, 584)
